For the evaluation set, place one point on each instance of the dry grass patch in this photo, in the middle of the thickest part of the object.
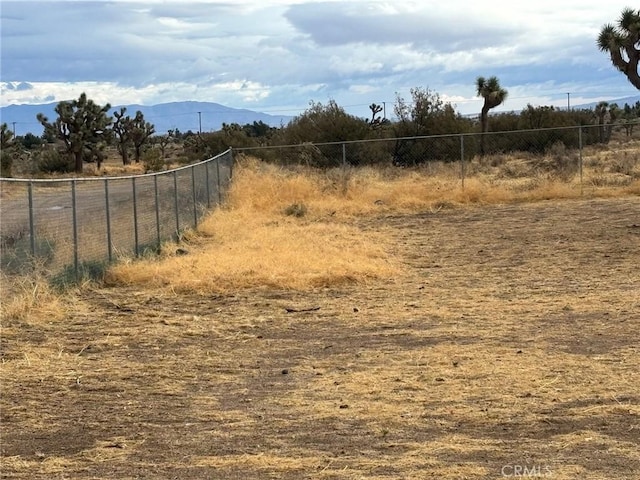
(298, 228)
(28, 298)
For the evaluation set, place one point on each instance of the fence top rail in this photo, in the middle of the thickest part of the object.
(417, 137)
(121, 177)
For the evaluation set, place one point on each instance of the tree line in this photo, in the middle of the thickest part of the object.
(83, 132)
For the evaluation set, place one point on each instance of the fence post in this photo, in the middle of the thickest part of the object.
(155, 192)
(175, 201)
(218, 180)
(462, 159)
(135, 215)
(108, 212)
(580, 159)
(75, 228)
(206, 175)
(32, 230)
(193, 191)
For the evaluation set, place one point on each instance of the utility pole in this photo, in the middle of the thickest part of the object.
(199, 122)
(568, 102)
(384, 110)
(14, 129)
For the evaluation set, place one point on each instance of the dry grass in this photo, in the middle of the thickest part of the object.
(298, 228)
(30, 298)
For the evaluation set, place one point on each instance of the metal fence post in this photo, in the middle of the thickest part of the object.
(195, 200)
(462, 159)
(75, 228)
(344, 155)
(135, 215)
(218, 180)
(175, 201)
(155, 192)
(580, 159)
(108, 212)
(206, 174)
(32, 230)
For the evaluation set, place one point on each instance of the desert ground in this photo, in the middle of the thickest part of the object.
(480, 340)
(509, 342)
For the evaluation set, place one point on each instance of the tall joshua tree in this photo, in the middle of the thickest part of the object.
(622, 43)
(494, 95)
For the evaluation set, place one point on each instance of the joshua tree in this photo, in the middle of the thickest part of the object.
(82, 127)
(493, 95)
(122, 128)
(622, 43)
(141, 131)
(375, 118)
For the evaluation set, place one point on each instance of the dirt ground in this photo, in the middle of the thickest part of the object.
(509, 347)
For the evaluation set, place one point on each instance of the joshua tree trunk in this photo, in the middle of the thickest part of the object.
(484, 127)
(79, 161)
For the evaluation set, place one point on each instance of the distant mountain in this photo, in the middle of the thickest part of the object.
(184, 116)
(619, 101)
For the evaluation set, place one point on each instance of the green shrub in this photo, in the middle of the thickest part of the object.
(152, 160)
(52, 161)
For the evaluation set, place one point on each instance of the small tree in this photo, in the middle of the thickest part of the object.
(163, 141)
(493, 95)
(141, 131)
(630, 117)
(6, 142)
(622, 43)
(426, 115)
(81, 126)
(122, 129)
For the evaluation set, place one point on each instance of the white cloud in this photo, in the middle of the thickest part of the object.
(281, 53)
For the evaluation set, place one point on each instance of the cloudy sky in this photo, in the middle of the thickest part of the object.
(276, 56)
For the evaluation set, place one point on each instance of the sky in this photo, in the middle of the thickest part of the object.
(278, 56)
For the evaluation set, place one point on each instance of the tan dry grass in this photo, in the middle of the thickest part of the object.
(254, 242)
(30, 298)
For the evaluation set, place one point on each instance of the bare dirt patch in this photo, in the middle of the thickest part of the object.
(510, 339)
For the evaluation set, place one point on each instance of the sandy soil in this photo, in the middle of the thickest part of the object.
(509, 347)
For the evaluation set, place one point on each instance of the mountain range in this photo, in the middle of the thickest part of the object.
(184, 116)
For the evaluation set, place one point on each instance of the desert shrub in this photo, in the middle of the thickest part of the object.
(516, 168)
(558, 161)
(52, 161)
(152, 160)
(626, 164)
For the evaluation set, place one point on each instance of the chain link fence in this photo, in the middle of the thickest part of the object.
(420, 150)
(75, 227)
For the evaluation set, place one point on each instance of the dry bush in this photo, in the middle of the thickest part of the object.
(515, 168)
(626, 164)
(29, 298)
